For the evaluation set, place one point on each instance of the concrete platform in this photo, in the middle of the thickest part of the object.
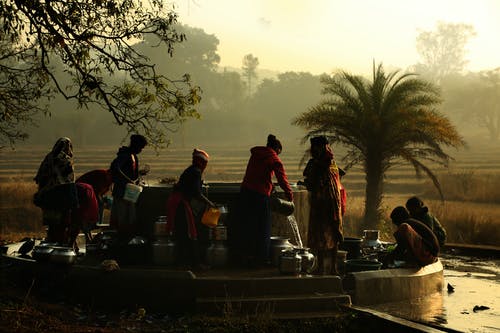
(220, 291)
(216, 291)
(389, 285)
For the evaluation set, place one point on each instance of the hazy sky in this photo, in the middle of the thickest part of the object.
(320, 36)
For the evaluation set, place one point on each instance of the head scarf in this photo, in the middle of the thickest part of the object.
(399, 214)
(63, 146)
(200, 158)
(57, 166)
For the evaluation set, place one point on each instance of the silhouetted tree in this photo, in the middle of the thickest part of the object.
(443, 50)
(277, 101)
(476, 97)
(382, 122)
(249, 68)
(93, 40)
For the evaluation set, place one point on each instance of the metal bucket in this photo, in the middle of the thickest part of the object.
(132, 192)
(352, 246)
(161, 227)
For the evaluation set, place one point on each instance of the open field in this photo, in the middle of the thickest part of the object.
(471, 212)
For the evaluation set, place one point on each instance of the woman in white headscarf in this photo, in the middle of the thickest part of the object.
(66, 206)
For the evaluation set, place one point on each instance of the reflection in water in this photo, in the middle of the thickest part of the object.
(427, 309)
(455, 310)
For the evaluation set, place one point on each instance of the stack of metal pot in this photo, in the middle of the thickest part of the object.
(163, 247)
(217, 252)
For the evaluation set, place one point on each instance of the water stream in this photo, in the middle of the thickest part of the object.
(295, 230)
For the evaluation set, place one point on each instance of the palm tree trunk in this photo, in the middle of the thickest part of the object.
(374, 190)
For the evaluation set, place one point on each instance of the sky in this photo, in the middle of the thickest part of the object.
(321, 36)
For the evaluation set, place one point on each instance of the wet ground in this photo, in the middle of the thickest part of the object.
(470, 301)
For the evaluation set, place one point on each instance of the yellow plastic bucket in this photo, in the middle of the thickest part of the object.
(210, 217)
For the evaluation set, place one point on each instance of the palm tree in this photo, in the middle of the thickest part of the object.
(382, 122)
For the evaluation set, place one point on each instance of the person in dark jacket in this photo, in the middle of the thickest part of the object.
(420, 212)
(416, 243)
(185, 207)
(124, 170)
(254, 229)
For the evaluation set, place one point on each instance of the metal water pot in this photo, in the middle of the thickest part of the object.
(42, 251)
(308, 259)
(163, 252)
(353, 247)
(281, 206)
(371, 238)
(217, 254)
(63, 255)
(160, 229)
(224, 213)
(106, 239)
(219, 233)
(279, 244)
(290, 262)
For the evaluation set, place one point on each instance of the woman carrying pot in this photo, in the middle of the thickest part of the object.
(327, 203)
(185, 207)
(254, 229)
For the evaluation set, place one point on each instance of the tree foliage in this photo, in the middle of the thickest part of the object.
(250, 64)
(277, 101)
(390, 120)
(94, 41)
(22, 84)
(443, 50)
(476, 98)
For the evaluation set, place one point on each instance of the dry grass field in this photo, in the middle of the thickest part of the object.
(471, 184)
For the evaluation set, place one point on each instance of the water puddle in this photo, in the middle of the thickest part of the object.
(470, 304)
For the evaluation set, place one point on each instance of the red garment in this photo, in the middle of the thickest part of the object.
(174, 200)
(407, 236)
(87, 209)
(343, 198)
(100, 179)
(263, 163)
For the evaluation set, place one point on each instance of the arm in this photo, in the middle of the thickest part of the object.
(279, 170)
(309, 175)
(439, 231)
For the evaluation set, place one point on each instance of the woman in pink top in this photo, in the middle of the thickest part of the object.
(255, 213)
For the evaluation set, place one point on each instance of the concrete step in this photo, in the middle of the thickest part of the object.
(273, 305)
(266, 286)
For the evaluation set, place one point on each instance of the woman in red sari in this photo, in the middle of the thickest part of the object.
(327, 203)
